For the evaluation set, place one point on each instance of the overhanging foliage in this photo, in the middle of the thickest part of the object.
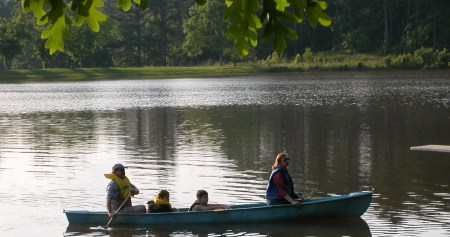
(246, 16)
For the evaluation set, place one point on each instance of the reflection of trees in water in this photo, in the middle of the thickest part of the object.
(152, 131)
(407, 181)
(334, 148)
(324, 142)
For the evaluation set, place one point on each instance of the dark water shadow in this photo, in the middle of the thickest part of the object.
(355, 227)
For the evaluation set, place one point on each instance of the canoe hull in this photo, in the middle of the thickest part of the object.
(352, 205)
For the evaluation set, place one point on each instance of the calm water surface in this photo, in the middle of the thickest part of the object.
(345, 132)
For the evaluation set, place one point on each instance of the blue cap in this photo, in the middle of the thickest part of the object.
(118, 166)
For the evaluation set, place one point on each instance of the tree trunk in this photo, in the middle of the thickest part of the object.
(163, 29)
(386, 25)
(140, 39)
(6, 63)
(434, 12)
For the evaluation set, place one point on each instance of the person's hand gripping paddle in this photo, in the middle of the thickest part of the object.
(118, 210)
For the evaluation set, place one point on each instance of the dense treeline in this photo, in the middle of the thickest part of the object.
(179, 32)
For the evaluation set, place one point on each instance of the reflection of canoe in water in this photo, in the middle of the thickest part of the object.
(351, 205)
(310, 227)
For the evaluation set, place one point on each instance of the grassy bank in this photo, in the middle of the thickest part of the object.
(326, 61)
(65, 74)
(343, 61)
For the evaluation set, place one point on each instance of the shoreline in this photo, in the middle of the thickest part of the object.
(173, 72)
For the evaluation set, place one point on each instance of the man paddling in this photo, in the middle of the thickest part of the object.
(117, 192)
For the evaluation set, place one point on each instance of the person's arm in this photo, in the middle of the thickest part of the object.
(134, 190)
(217, 206)
(108, 207)
(209, 207)
(291, 200)
(111, 191)
(278, 181)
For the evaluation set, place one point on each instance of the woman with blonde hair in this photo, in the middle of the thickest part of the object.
(280, 189)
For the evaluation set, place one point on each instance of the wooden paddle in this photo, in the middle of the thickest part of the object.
(118, 210)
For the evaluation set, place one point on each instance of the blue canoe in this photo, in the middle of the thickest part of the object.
(350, 205)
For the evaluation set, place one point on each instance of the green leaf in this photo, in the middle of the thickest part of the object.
(253, 37)
(242, 47)
(299, 9)
(256, 21)
(287, 32)
(124, 4)
(54, 34)
(88, 13)
(281, 5)
(227, 2)
(322, 4)
(286, 16)
(36, 6)
(316, 15)
(324, 19)
(244, 22)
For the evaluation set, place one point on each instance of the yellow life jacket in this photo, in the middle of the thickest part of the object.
(124, 184)
(158, 201)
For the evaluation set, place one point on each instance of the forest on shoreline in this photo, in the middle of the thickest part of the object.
(364, 34)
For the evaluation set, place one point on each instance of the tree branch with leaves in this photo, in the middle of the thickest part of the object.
(246, 17)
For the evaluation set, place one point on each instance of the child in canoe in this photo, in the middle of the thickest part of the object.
(161, 203)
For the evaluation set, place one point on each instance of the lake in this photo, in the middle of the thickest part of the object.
(344, 132)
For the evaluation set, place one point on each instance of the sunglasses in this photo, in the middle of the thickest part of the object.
(286, 159)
